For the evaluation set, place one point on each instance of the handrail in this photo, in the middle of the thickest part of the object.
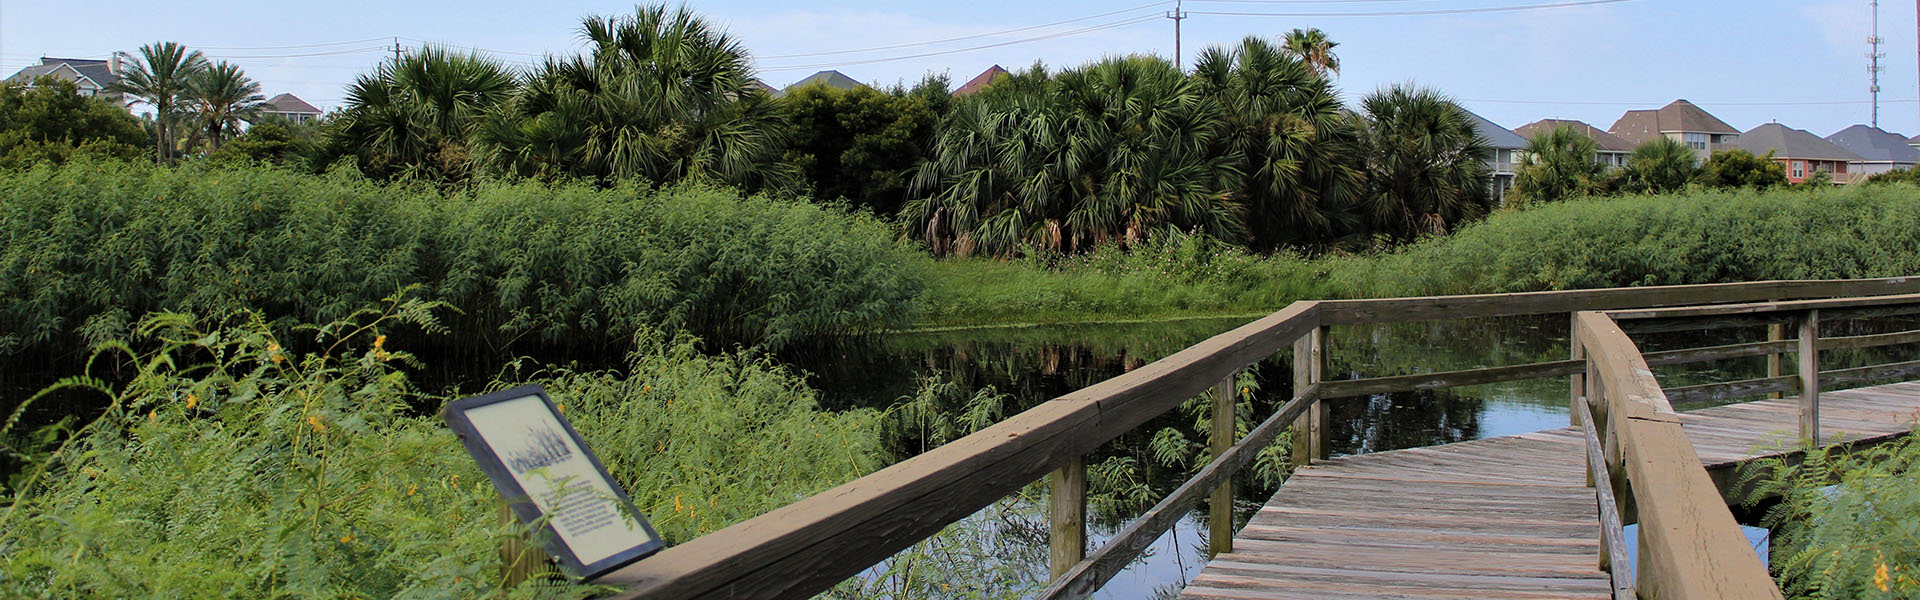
(1691, 547)
(809, 546)
(1613, 537)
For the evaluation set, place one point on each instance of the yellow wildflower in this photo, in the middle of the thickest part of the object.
(1880, 576)
(346, 539)
(380, 342)
(314, 420)
(676, 504)
(273, 348)
(192, 401)
(660, 448)
(412, 487)
(562, 407)
(151, 416)
(646, 388)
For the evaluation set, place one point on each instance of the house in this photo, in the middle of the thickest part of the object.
(1506, 145)
(1803, 153)
(291, 108)
(981, 81)
(761, 86)
(92, 77)
(1613, 151)
(1879, 150)
(832, 79)
(1680, 121)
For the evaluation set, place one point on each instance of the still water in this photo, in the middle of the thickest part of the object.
(1033, 364)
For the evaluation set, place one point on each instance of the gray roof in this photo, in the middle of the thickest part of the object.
(1787, 142)
(1497, 136)
(96, 70)
(1875, 145)
(832, 79)
(289, 103)
(1608, 142)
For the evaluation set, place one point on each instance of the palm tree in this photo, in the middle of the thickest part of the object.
(1426, 164)
(416, 115)
(160, 76)
(1312, 45)
(221, 96)
(1660, 165)
(1116, 151)
(1560, 163)
(1286, 130)
(663, 96)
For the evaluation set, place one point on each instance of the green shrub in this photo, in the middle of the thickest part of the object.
(91, 244)
(268, 473)
(1697, 237)
(1846, 521)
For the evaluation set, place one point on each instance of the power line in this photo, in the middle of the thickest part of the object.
(302, 55)
(1707, 102)
(298, 47)
(1112, 25)
(968, 37)
(1415, 13)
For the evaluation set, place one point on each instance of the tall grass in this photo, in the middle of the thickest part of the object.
(91, 245)
(231, 466)
(1700, 236)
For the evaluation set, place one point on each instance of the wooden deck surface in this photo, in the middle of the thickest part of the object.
(1505, 517)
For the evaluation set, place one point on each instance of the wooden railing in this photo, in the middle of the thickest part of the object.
(809, 546)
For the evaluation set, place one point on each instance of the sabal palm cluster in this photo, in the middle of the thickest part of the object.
(194, 101)
(1254, 147)
(415, 115)
(662, 96)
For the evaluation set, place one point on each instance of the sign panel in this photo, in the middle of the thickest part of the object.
(541, 466)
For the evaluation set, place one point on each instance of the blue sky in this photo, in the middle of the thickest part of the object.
(1800, 62)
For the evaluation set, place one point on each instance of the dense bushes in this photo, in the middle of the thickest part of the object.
(267, 473)
(1696, 237)
(92, 245)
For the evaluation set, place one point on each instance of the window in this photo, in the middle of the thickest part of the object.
(1697, 141)
(1799, 169)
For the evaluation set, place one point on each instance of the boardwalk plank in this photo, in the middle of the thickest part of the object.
(1503, 518)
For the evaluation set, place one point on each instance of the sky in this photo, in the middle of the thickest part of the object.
(1799, 62)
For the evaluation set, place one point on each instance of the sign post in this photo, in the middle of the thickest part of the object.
(552, 480)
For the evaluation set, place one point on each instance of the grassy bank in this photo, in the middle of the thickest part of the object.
(1695, 237)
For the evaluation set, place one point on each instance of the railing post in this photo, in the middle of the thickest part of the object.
(1810, 376)
(1775, 332)
(1067, 514)
(1220, 508)
(1309, 367)
(1579, 380)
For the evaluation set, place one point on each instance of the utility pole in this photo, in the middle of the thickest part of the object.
(1873, 62)
(1180, 15)
(397, 50)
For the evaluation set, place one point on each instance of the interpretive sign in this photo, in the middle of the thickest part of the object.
(552, 479)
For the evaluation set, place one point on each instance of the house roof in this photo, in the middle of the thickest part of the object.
(980, 82)
(1875, 145)
(100, 72)
(1497, 136)
(1787, 142)
(832, 79)
(289, 103)
(1608, 142)
(1680, 116)
(757, 84)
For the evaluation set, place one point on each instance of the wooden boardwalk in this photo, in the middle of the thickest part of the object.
(1505, 517)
